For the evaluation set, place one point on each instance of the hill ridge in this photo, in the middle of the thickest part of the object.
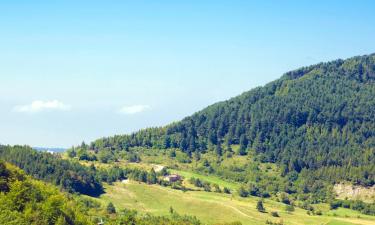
(315, 117)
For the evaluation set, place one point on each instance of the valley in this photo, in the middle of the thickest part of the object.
(299, 150)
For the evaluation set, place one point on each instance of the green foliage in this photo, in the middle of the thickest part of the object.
(115, 173)
(365, 208)
(151, 177)
(260, 206)
(243, 192)
(207, 185)
(172, 153)
(111, 208)
(26, 201)
(132, 157)
(71, 176)
(217, 188)
(289, 208)
(105, 156)
(219, 150)
(71, 153)
(284, 198)
(226, 190)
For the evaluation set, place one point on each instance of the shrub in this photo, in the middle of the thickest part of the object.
(289, 208)
(111, 208)
(260, 206)
(242, 192)
(226, 190)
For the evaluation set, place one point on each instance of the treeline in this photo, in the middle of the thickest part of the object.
(365, 208)
(362, 175)
(116, 173)
(207, 186)
(313, 117)
(84, 152)
(24, 201)
(71, 176)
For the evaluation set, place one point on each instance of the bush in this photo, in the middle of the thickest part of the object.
(226, 190)
(111, 208)
(265, 195)
(207, 187)
(284, 198)
(260, 206)
(289, 208)
(217, 188)
(242, 192)
(335, 204)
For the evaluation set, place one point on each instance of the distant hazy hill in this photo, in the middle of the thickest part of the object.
(46, 149)
(316, 117)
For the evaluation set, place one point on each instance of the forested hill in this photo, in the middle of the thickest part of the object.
(70, 176)
(317, 116)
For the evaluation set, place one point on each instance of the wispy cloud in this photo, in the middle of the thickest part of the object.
(40, 106)
(134, 109)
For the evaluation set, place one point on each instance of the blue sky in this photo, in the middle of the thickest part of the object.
(80, 70)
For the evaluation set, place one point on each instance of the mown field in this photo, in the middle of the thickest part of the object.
(213, 208)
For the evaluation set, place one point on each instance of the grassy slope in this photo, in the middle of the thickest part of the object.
(211, 207)
(215, 207)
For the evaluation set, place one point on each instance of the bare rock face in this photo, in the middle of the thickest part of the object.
(355, 192)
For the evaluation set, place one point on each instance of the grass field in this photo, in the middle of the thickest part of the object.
(211, 207)
(216, 207)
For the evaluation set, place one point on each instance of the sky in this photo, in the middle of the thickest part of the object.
(73, 71)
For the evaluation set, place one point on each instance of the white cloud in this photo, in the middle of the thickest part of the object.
(134, 109)
(39, 106)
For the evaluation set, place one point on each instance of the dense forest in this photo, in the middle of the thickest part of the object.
(319, 118)
(71, 176)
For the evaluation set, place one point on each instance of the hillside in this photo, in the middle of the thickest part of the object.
(290, 141)
(319, 118)
(215, 208)
(68, 175)
(24, 200)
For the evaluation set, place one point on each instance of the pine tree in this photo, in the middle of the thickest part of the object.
(172, 153)
(111, 208)
(219, 150)
(151, 177)
(243, 145)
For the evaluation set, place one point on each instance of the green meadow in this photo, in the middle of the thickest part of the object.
(214, 208)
